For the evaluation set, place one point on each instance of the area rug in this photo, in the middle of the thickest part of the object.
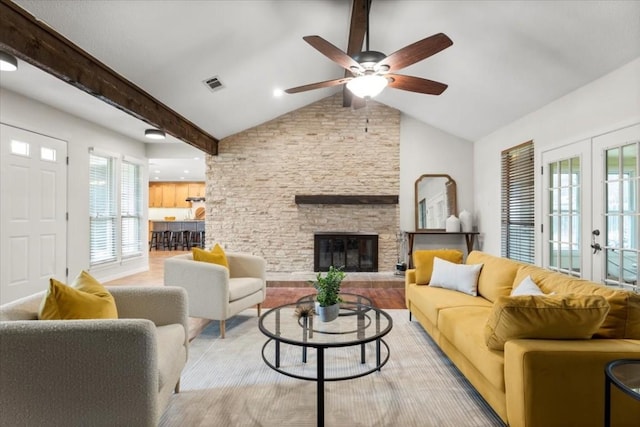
(226, 383)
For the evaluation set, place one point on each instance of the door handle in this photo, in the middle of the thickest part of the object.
(595, 245)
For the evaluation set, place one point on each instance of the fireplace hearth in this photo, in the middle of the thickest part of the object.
(356, 252)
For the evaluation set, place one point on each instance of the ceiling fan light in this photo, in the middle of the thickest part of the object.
(8, 62)
(367, 86)
(154, 134)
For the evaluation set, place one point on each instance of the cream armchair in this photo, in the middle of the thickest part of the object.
(215, 292)
(118, 372)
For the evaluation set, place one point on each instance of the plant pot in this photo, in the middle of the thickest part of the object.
(327, 314)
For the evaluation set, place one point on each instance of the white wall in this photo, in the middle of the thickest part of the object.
(606, 104)
(19, 111)
(425, 149)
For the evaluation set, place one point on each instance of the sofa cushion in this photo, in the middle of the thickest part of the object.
(86, 298)
(216, 255)
(497, 275)
(431, 300)
(463, 327)
(544, 317)
(526, 287)
(423, 262)
(240, 287)
(623, 320)
(171, 351)
(457, 277)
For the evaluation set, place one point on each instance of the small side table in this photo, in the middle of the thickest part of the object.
(624, 374)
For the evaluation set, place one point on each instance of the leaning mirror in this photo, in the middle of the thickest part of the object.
(435, 201)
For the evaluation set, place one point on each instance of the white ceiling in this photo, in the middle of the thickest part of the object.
(509, 58)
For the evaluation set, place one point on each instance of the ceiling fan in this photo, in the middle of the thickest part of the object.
(372, 71)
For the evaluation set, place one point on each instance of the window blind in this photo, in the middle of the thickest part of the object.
(102, 209)
(517, 203)
(130, 209)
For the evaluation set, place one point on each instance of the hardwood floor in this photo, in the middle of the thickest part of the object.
(383, 297)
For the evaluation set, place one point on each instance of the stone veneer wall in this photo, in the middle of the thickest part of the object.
(319, 149)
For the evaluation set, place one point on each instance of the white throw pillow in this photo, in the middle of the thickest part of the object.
(527, 287)
(457, 277)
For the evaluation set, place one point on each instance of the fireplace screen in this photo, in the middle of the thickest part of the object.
(353, 251)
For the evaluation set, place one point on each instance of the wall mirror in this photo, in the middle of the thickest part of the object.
(435, 201)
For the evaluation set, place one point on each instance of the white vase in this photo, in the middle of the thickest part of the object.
(452, 224)
(466, 221)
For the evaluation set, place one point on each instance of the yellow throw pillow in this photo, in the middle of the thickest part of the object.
(423, 262)
(568, 316)
(86, 298)
(215, 255)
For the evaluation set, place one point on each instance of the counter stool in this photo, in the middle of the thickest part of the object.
(157, 240)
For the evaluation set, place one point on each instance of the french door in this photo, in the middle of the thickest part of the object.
(590, 212)
(33, 225)
(616, 164)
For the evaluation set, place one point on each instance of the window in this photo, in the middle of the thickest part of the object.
(102, 209)
(115, 209)
(517, 219)
(131, 209)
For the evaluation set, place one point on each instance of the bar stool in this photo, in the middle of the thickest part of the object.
(157, 239)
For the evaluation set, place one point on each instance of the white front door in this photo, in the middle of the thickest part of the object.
(590, 209)
(615, 204)
(33, 224)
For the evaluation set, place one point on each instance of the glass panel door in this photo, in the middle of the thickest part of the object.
(617, 160)
(566, 181)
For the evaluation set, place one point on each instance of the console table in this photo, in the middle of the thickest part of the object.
(469, 237)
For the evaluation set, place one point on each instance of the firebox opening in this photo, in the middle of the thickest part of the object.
(353, 251)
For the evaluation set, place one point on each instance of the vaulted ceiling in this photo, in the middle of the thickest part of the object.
(508, 59)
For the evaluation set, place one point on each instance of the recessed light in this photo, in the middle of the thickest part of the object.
(157, 177)
(182, 177)
(186, 171)
(196, 158)
(156, 171)
(278, 93)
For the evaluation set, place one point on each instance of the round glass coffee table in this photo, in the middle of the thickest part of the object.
(340, 341)
(625, 375)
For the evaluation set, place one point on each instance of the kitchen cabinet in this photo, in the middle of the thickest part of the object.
(155, 195)
(174, 194)
(181, 194)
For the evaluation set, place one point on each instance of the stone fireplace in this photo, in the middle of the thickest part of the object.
(313, 170)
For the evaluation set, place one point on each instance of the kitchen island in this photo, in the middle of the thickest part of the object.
(174, 235)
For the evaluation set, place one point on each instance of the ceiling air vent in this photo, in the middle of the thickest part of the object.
(213, 83)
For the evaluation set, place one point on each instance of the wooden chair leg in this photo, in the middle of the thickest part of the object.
(222, 328)
(177, 388)
(259, 307)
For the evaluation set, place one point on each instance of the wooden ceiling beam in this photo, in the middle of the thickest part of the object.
(32, 41)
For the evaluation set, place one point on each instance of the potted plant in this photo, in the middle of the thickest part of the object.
(328, 296)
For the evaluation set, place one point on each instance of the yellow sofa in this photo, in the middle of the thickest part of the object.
(533, 382)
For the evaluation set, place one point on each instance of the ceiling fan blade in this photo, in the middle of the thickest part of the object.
(357, 30)
(416, 52)
(415, 84)
(332, 52)
(318, 85)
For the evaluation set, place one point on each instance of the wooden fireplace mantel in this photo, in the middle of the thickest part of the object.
(345, 199)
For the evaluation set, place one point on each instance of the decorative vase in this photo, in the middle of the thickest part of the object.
(466, 221)
(327, 314)
(452, 224)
